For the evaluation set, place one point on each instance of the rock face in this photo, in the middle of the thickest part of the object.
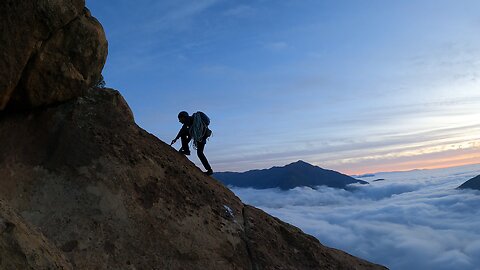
(297, 174)
(22, 247)
(51, 51)
(101, 191)
(473, 183)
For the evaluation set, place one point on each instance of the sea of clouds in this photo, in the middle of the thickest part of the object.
(411, 220)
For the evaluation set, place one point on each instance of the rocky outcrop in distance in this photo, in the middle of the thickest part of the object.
(297, 174)
(473, 183)
(86, 188)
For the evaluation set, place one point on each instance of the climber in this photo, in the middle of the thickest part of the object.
(194, 127)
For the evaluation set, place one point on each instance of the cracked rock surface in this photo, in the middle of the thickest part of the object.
(50, 51)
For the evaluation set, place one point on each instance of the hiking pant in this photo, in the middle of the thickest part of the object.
(186, 138)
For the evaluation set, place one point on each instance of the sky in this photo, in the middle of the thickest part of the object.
(414, 220)
(354, 86)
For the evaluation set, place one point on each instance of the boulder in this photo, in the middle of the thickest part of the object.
(51, 51)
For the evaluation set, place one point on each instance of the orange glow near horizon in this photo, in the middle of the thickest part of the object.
(439, 163)
(405, 157)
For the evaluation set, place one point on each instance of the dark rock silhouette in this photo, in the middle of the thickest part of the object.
(473, 183)
(293, 175)
(86, 186)
(365, 175)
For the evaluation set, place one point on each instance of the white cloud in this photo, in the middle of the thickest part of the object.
(179, 16)
(412, 220)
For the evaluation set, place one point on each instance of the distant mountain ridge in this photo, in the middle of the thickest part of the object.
(473, 183)
(293, 175)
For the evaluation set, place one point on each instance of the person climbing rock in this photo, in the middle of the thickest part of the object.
(194, 127)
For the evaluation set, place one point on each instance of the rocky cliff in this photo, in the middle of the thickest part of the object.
(87, 188)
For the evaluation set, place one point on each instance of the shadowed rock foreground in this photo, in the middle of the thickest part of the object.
(22, 247)
(83, 187)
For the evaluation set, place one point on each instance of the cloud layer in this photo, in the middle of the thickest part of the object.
(412, 220)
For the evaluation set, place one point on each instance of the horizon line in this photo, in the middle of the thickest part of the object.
(362, 173)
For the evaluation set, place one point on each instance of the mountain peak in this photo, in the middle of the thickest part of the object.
(299, 163)
(296, 174)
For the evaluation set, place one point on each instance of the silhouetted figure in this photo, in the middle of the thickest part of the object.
(194, 127)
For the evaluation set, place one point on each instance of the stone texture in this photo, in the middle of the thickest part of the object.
(22, 247)
(112, 196)
(51, 51)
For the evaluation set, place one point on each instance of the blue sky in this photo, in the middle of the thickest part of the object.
(355, 86)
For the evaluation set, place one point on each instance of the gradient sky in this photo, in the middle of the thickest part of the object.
(354, 86)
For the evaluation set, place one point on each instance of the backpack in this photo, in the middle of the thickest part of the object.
(205, 118)
(199, 130)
